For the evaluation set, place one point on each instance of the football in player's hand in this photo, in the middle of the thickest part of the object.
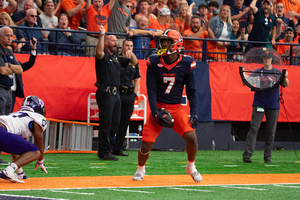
(166, 118)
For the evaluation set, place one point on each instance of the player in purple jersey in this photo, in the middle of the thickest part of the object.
(167, 74)
(14, 129)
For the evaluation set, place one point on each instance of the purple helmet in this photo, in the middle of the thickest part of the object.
(34, 104)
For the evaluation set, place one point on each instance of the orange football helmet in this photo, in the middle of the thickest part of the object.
(177, 42)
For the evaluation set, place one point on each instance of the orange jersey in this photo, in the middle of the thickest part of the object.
(74, 21)
(151, 17)
(95, 19)
(182, 122)
(181, 25)
(296, 40)
(5, 10)
(290, 5)
(195, 45)
(281, 49)
(156, 25)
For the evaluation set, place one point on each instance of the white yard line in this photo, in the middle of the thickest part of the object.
(187, 189)
(131, 191)
(244, 188)
(290, 186)
(71, 192)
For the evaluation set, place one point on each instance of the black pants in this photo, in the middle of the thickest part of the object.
(127, 105)
(109, 114)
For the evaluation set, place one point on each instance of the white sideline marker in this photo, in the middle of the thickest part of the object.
(97, 167)
(244, 188)
(132, 191)
(71, 192)
(10, 195)
(187, 189)
(291, 186)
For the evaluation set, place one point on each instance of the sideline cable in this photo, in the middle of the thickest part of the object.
(282, 102)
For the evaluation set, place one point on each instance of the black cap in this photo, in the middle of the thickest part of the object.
(267, 54)
(289, 29)
(202, 5)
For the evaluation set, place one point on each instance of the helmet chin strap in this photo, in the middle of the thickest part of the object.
(162, 51)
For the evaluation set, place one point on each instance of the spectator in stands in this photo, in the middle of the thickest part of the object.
(284, 50)
(297, 34)
(145, 11)
(285, 21)
(20, 17)
(12, 6)
(141, 43)
(184, 19)
(73, 9)
(163, 22)
(7, 21)
(119, 20)
(212, 6)
(220, 28)
(183, 3)
(36, 4)
(195, 31)
(49, 20)
(264, 23)
(202, 12)
(129, 5)
(92, 12)
(31, 17)
(292, 8)
(64, 38)
(242, 13)
(160, 5)
(238, 33)
(174, 8)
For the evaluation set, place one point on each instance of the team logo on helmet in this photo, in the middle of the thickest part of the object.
(34, 104)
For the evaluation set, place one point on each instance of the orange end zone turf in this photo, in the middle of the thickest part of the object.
(149, 181)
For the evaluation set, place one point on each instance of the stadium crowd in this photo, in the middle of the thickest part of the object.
(267, 22)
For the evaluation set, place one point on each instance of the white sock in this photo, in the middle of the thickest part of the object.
(19, 170)
(12, 167)
(191, 165)
(141, 168)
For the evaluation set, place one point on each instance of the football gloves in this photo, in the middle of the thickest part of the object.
(40, 163)
(194, 121)
(159, 118)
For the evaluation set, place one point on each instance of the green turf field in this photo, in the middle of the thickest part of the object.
(168, 163)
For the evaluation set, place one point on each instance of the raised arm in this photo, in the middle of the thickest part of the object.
(100, 44)
(71, 12)
(253, 6)
(12, 6)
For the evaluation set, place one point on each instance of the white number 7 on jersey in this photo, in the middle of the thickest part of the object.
(171, 81)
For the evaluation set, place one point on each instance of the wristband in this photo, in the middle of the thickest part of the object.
(102, 34)
(9, 65)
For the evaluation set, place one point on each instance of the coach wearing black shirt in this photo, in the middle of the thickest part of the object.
(108, 67)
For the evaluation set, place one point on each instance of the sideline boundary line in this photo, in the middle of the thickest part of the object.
(149, 181)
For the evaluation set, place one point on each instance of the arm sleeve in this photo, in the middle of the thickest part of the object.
(137, 72)
(151, 87)
(27, 65)
(191, 91)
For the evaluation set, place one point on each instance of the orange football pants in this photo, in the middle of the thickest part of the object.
(182, 122)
